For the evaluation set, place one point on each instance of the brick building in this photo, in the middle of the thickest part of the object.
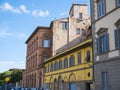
(38, 49)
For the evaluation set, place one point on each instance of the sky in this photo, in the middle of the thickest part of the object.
(19, 18)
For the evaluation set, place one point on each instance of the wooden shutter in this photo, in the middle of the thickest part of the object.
(107, 42)
(98, 45)
(67, 26)
(117, 38)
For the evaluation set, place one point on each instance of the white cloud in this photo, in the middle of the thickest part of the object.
(7, 7)
(64, 13)
(23, 8)
(6, 65)
(21, 35)
(5, 34)
(40, 13)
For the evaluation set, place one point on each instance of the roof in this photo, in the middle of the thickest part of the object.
(35, 31)
(76, 47)
(77, 5)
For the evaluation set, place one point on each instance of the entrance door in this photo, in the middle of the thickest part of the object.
(88, 86)
(72, 86)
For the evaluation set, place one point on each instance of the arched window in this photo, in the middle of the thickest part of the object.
(66, 63)
(72, 61)
(55, 85)
(60, 83)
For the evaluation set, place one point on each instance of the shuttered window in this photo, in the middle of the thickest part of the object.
(88, 56)
(65, 25)
(60, 64)
(79, 58)
(101, 8)
(118, 2)
(102, 44)
(72, 61)
(117, 38)
(66, 63)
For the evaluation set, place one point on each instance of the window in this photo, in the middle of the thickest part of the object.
(101, 8)
(55, 65)
(118, 2)
(60, 64)
(65, 63)
(78, 31)
(48, 68)
(84, 32)
(103, 43)
(88, 56)
(46, 43)
(117, 38)
(72, 61)
(104, 81)
(79, 58)
(52, 67)
(45, 56)
(65, 25)
(45, 69)
(80, 16)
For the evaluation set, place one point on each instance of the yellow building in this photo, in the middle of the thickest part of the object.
(71, 69)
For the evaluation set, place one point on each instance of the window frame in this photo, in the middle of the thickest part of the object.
(48, 43)
(102, 44)
(117, 38)
(60, 64)
(117, 3)
(66, 63)
(72, 61)
(79, 56)
(78, 31)
(101, 8)
(88, 56)
(65, 25)
(105, 80)
(81, 16)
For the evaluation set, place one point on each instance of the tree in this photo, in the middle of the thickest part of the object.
(16, 76)
(3, 76)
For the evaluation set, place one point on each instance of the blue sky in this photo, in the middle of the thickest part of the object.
(18, 19)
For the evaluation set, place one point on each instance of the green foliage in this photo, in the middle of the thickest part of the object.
(3, 76)
(15, 76)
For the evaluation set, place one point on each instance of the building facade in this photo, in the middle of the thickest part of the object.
(46, 42)
(106, 43)
(71, 69)
(67, 29)
(38, 50)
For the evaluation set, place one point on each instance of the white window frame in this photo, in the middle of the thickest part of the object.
(46, 43)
